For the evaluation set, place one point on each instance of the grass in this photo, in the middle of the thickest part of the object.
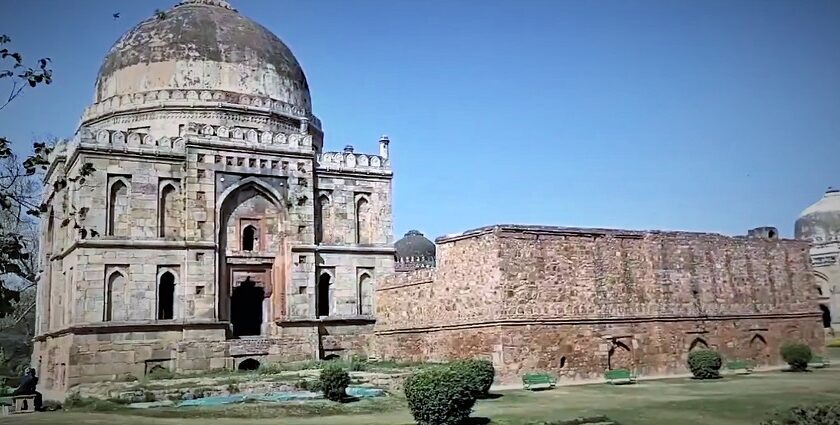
(734, 400)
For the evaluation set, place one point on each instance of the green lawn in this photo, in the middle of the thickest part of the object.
(734, 400)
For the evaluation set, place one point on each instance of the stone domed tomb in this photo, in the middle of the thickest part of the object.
(216, 229)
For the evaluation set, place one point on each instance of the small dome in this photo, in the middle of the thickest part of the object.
(821, 221)
(414, 244)
(203, 45)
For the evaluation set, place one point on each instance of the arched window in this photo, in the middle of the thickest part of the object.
(115, 307)
(365, 294)
(117, 206)
(322, 306)
(167, 222)
(362, 221)
(166, 297)
(249, 364)
(250, 238)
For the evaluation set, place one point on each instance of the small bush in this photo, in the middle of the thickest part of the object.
(438, 396)
(304, 385)
(358, 363)
(334, 381)
(797, 355)
(270, 368)
(477, 374)
(819, 414)
(705, 364)
(159, 373)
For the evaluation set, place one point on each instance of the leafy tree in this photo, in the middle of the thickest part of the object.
(21, 195)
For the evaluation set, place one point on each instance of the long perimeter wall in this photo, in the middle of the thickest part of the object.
(575, 302)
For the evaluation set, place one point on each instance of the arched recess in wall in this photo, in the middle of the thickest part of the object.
(324, 219)
(115, 302)
(620, 356)
(166, 295)
(168, 225)
(118, 206)
(226, 204)
(698, 344)
(363, 228)
(758, 348)
(324, 295)
(365, 291)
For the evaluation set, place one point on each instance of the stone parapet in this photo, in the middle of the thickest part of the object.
(353, 162)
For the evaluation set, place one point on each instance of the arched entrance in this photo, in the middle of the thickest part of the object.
(323, 305)
(166, 297)
(826, 316)
(251, 217)
(247, 309)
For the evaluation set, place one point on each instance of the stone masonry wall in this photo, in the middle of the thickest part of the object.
(578, 301)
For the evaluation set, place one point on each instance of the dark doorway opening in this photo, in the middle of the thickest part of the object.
(826, 316)
(166, 297)
(247, 309)
(323, 307)
(249, 364)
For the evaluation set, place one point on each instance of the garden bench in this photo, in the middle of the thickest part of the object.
(818, 362)
(24, 403)
(533, 381)
(619, 376)
(746, 365)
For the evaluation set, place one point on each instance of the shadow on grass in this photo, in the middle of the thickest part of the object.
(479, 420)
(349, 399)
(491, 396)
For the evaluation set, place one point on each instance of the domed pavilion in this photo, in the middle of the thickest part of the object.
(215, 232)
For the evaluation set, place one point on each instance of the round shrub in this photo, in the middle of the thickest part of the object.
(476, 374)
(334, 381)
(438, 396)
(705, 364)
(797, 355)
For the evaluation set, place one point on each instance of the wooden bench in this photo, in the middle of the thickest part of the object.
(619, 376)
(24, 403)
(818, 362)
(534, 381)
(747, 366)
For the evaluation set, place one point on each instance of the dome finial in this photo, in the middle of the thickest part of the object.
(217, 3)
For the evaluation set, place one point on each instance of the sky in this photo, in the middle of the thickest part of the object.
(712, 116)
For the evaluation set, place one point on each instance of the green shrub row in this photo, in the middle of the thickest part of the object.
(706, 364)
(817, 414)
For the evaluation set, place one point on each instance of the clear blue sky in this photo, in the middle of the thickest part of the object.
(695, 115)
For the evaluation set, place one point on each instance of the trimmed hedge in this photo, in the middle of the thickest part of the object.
(797, 355)
(817, 414)
(439, 396)
(334, 381)
(477, 374)
(705, 364)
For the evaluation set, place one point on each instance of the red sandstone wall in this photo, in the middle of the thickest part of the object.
(466, 288)
(576, 303)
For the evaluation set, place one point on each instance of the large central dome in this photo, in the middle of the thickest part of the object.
(203, 45)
